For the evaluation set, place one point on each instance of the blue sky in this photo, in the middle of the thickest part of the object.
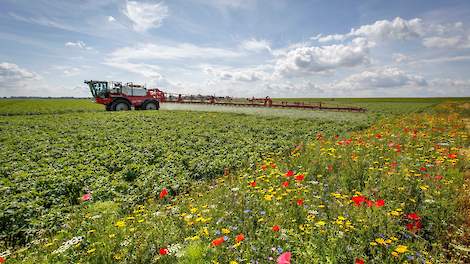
(280, 48)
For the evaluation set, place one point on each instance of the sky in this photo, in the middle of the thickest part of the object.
(241, 48)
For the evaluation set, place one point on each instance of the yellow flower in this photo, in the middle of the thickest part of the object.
(233, 262)
(380, 241)
(373, 244)
(395, 254)
(120, 224)
(268, 197)
(193, 210)
(401, 249)
(320, 223)
(91, 250)
(225, 231)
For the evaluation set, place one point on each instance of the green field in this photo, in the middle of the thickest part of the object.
(225, 172)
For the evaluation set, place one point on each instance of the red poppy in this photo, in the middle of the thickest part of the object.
(359, 261)
(413, 216)
(423, 169)
(300, 202)
(253, 184)
(86, 197)
(264, 167)
(410, 226)
(299, 177)
(239, 238)
(164, 251)
(438, 177)
(415, 226)
(163, 193)
(289, 173)
(369, 203)
(378, 136)
(285, 184)
(276, 228)
(2, 260)
(217, 241)
(418, 225)
(272, 165)
(358, 200)
(452, 156)
(379, 203)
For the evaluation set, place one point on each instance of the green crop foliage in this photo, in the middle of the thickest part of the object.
(240, 186)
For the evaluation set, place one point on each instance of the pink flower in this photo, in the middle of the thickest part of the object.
(284, 258)
(86, 197)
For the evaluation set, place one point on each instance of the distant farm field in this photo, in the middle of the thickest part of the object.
(198, 184)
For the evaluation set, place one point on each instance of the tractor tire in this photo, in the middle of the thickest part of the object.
(121, 105)
(150, 105)
(108, 107)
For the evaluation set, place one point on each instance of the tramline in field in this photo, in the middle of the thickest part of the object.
(117, 96)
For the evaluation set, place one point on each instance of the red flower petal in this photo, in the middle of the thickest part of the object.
(289, 173)
(163, 193)
(359, 261)
(379, 203)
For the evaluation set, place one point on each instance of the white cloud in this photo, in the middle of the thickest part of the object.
(14, 79)
(432, 35)
(238, 74)
(79, 44)
(399, 58)
(179, 51)
(388, 77)
(256, 45)
(459, 41)
(396, 29)
(144, 69)
(111, 19)
(307, 60)
(145, 16)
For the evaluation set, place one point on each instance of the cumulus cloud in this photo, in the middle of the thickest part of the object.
(432, 35)
(388, 77)
(256, 45)
(307, 60)
(111, 19)
(14, 79)
(145, 16)
(396, 29)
